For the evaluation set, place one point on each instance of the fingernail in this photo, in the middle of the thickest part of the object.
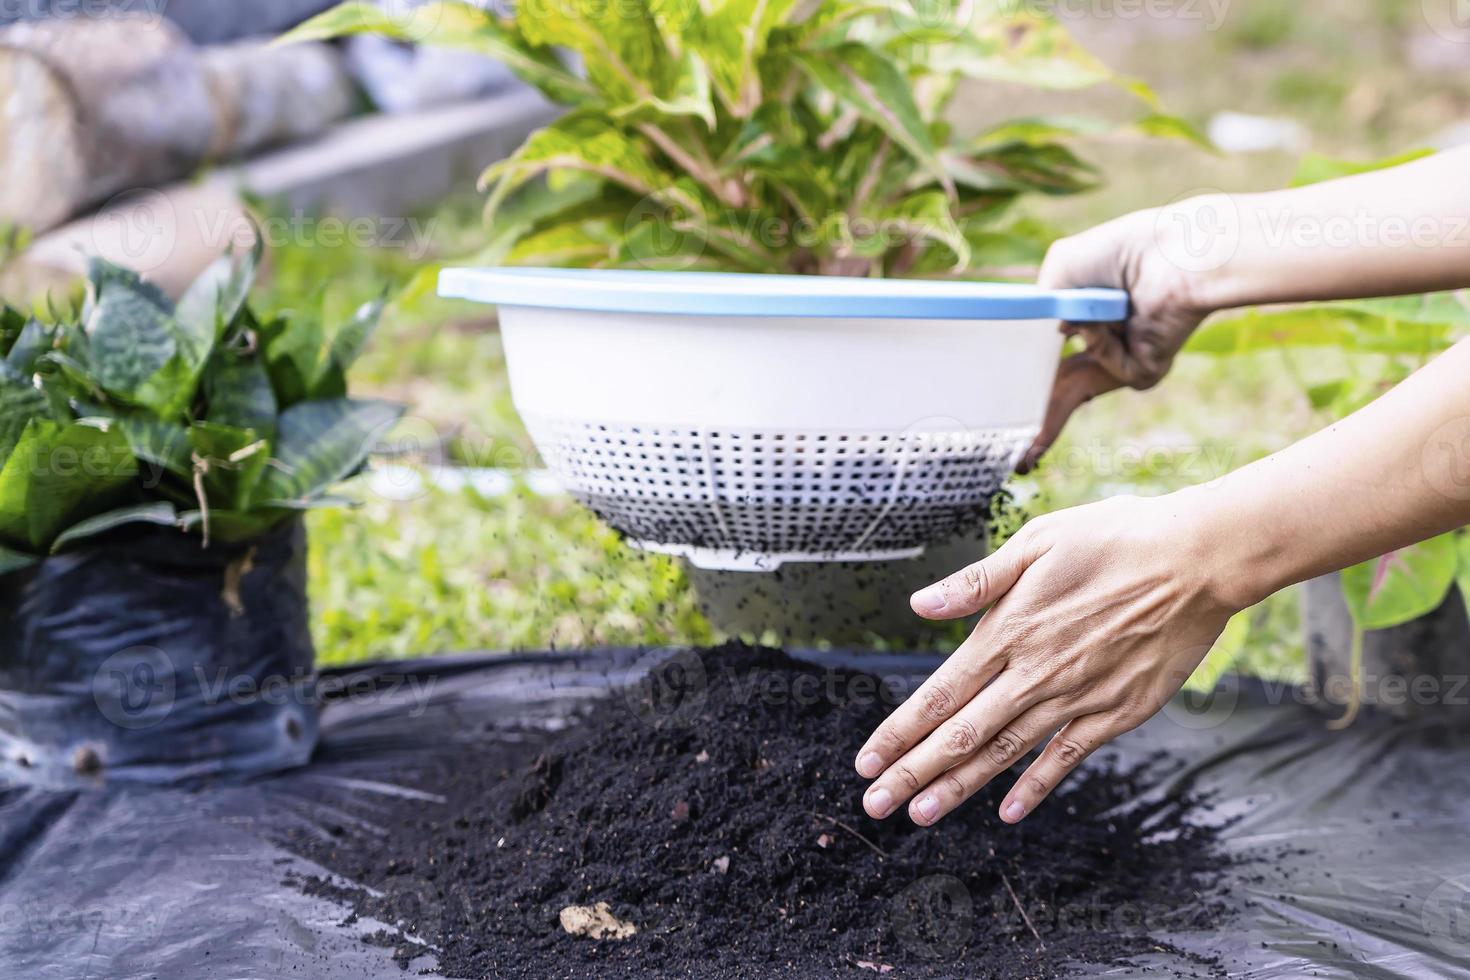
(870, 765)
(1014, 812)
(880, 802)
(928, 808)
(930, 599)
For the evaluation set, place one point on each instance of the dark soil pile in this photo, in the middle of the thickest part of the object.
(714, 808)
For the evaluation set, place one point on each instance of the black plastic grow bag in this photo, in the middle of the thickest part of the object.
(147, 658)
(1355, 863)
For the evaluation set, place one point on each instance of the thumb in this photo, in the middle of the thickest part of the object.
(975, 587)
(1080, 379)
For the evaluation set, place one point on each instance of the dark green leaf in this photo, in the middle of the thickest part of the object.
(13, 561)
(34, 339)
(132, 340)
(318, 444)
(294, 357)
(156, 443)
(238, 393)
(155, 513)
(232, 525)
(20, 402)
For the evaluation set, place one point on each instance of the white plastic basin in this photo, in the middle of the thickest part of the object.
(745, 421)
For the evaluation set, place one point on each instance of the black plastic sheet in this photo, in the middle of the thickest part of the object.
(142, 657)
(1356, 861)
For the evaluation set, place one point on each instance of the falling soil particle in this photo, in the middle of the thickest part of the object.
(714, 806)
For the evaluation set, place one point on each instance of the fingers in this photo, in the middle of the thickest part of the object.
(948, 689)
(1080, 379)
(972, 728)
(1076, 741)
(976, 586)
(952, 771)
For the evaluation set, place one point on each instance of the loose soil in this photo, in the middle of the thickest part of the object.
(714, 809)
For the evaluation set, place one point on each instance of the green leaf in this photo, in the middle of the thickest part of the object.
(12, 323)
(348, 342)
(231, 460)
(1341, 325)
(453, 25)
(213, 301)
(1315, 168)
(1162, 126)
(1025, 47)
(56, 475)
(1330, 393)
(585, 143)
(20, 402)
(157, 443)
(922, 217)
(1223, 654)
(582, 244)
(238, 393)
(625, 56)
(232, 525)
(730, 36)
(294, 352)
(35, 339)
(869, 83)
(156, 513)
(1402, 585)
(321, 443)
(688, 95)
(13, 561)
(1048, 168)
(132, 340)
(1462, 567)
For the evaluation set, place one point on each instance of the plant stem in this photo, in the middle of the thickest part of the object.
(703, 172)
(1355, 670)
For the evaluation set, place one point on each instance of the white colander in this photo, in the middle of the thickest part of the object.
(744, 421)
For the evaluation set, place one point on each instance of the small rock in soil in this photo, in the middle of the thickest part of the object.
(714, 806)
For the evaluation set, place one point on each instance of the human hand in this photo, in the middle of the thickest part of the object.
(1131, 253)
(1098, 616)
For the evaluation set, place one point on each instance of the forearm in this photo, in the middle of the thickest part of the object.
(1387, 233)
(1390, 475)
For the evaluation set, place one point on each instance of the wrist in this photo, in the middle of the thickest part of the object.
(1199, 253)
(1241, 560)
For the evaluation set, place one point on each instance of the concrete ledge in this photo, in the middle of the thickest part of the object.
(390, 167)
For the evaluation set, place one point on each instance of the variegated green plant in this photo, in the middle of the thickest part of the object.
(197, 415)
(805, 136)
